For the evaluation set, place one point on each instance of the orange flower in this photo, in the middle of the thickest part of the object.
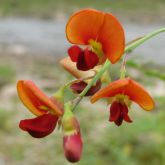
(47, 110)
(102, 34)
(122, 93)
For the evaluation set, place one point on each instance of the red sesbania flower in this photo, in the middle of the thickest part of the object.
(121, 93)
(101, 34)
(72, 141)
(48, 110)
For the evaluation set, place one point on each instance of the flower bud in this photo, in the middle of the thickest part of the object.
(78, 87)
(72, 142)
(73, 147)
(59, 95)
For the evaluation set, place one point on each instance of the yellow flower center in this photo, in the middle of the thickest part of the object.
(124, 99)
(96, 47)
(44, 108)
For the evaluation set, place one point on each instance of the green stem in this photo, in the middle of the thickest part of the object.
(123, 69)
(107, 64)
(94, 80)
(142, 40)
(134, 44)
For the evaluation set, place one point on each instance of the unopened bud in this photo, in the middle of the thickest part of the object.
(73, 147)
(72, 142)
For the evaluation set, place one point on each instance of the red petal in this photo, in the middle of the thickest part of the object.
(127, 119)
(91, 59)
(125, 113)
(74, 52)
(40, 126)
(114, 111)
(73, 146)
(81, 62)
(87, 60)
(119, 121)
(124, 109)
(118, 112)
(80, 86)
(94, 89)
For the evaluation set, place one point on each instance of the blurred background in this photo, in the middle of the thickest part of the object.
(32, 40)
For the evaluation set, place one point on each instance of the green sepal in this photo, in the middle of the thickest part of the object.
(59, 95)
(69, 122)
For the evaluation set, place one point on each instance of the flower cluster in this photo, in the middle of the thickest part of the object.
(97, 37)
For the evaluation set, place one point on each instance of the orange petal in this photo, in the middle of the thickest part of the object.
(112, 38)
(111, 90)
(34, 99)
(84, 25)
(99, 26)
(138, 94)
(127, 87)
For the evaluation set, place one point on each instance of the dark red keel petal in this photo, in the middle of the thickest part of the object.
(73, 146)
(87, 60)
(118, 113)
(80, 86)
(125, 113)
(81, 63)
(119, 121)
(94, 89)
(74, 52)
(40, 126)
(114, 111)
(91, 59)
(127, 119)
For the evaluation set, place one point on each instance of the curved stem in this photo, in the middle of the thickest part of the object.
(135, 44)
(123, 69)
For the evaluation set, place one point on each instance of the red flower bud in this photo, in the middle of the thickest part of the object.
(73, 147)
